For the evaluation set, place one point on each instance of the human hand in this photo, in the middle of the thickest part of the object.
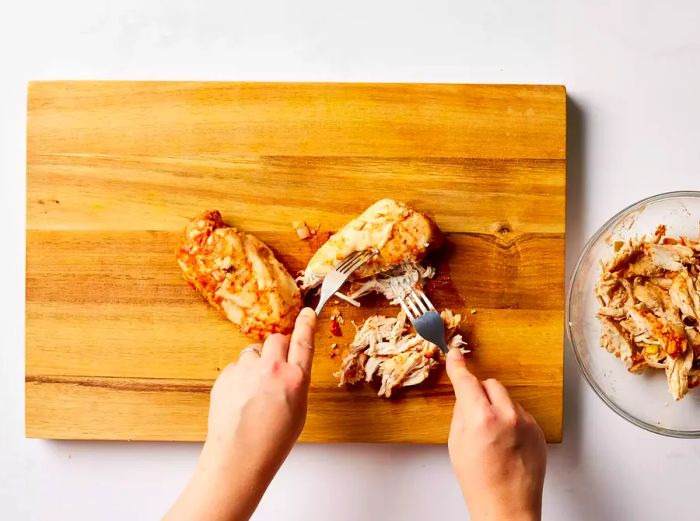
(496, 448)
(258, 405)
(256, 413)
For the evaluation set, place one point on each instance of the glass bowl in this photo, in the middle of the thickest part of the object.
(642, 399)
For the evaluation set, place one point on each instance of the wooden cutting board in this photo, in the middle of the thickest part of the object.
(119, 347)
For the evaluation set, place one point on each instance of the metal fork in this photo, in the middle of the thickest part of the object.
(421, 312)
(336, 278)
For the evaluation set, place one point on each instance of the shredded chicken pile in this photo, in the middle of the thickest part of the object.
(384, 347)
(650, 307)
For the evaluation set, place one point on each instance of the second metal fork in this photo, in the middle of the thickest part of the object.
(421, 312)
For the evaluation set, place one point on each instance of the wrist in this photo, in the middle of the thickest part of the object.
(238, 463)
(227, 484)
(499, 514)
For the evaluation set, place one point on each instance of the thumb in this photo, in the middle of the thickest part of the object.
(456, 366)
(466, 385)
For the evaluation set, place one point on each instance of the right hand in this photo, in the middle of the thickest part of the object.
(496, 448)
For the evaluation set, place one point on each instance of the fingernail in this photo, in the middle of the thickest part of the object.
(308, 312)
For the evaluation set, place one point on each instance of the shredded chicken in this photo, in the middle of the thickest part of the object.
(649, 295)
(407, 274)
(384, 348)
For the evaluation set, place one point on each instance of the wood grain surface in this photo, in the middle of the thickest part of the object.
(119, 347)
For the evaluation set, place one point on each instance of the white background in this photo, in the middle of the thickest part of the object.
(632, 70)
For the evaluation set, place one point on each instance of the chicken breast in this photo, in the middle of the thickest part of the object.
(402, 235)
(239, 275)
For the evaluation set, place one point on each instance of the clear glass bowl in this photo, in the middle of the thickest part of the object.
(642, 399)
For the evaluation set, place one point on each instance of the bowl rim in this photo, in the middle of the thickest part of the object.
(673, 433)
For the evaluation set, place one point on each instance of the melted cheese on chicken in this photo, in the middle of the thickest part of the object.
(402, 235)
(239, 275)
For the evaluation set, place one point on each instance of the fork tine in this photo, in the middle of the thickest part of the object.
(347, 260)
(419, 303)
(412, 305)
(423, 296)
(360, 259)
(335, 278)
(406, 310)
(352, 266)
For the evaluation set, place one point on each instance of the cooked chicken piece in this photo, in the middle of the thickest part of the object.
(613, 292)
(402, 235)
(677, 374)
(652, 296)
(383, 347)
(623, 257)
(396, 368)
(662, 282)
(302, 230)
(419, 373)
(630, 327)
(693, 340)
(373, 363)
(352, 369)
(693, 285)
(670, 336)
(613, 339)
(643, 266)
(612, 312)
(239, 275)
(684, 296)
(670, 256)
(376, 329)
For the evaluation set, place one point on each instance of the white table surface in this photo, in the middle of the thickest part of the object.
(632, 71)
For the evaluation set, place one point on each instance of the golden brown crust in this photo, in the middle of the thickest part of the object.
(239, 275)
(400, 233)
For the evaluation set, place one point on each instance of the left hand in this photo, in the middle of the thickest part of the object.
(258, 405)
(257, 411)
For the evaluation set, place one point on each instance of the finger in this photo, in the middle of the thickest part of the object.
(523, 413)
(466, 385)
(251, 352)
(275, 347)
(301, 346)
(497, 395)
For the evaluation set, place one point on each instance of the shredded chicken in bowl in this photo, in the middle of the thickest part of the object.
(650, 307)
